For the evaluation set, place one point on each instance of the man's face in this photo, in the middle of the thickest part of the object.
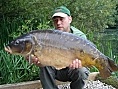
(62, 23)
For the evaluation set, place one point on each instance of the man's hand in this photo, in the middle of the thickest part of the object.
(34, 60)
(76, 64)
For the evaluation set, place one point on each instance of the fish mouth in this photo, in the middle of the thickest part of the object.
(8, 49)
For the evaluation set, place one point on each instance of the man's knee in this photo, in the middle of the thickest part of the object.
(81, 73)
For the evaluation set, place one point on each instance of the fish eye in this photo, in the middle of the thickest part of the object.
(17, 42)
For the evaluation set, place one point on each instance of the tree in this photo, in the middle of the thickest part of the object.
(87, 15)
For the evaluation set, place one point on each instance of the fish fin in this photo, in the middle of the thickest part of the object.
(114, 67)
(29, 59)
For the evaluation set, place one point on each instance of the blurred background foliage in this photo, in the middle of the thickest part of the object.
(98, 19)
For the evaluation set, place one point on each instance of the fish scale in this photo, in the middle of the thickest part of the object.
(59, 49)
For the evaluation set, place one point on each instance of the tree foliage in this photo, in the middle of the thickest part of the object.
(87, 15)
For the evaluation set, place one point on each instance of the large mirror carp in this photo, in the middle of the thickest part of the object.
(58, 49)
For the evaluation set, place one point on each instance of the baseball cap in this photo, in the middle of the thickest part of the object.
(61, 11)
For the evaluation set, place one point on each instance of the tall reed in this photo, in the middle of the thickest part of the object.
(15, 69)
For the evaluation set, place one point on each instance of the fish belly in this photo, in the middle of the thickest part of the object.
(59, 58)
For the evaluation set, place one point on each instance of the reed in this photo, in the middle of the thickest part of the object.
(15, 69)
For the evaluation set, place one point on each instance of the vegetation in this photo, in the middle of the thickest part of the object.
(14, 69)
(21, 16)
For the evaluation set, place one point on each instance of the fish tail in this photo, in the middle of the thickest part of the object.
(108, 68)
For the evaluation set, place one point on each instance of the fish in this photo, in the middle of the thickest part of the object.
(57, 48)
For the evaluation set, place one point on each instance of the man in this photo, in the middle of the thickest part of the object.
(74, 73)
